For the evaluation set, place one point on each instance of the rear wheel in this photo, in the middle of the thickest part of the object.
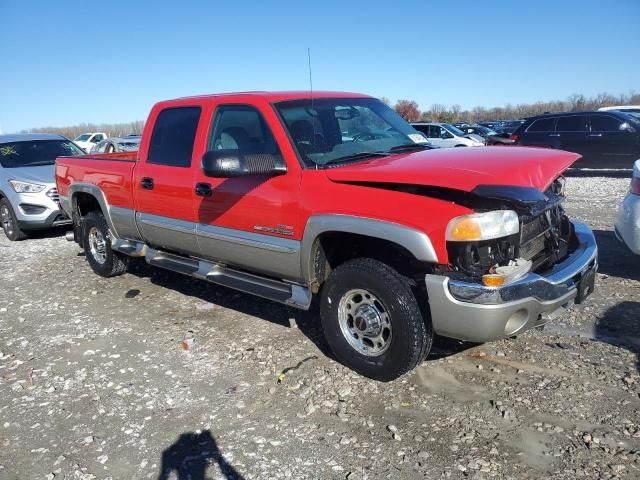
(10, 223)
(96, 240)
(372, 320)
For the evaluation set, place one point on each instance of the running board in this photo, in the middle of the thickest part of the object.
(288, 293)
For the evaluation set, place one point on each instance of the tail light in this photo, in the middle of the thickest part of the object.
(635, 185)
(514, 137)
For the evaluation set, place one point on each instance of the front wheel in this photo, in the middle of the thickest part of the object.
(372, 320)
(10, 222)
(96, 240)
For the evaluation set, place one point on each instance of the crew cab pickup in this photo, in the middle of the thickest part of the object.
(291, 196)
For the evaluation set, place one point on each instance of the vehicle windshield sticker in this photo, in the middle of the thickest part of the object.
(5, 151)
(417, 138)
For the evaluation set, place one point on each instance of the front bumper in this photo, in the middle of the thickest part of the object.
(628, 222)
(473, 312)
(37, 211)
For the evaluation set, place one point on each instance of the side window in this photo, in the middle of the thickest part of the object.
(605, 123)
(444, 133)
(240, 127)
(173, 135)
(102, 147)
(542, 125)
(422, 128)
(572, 123)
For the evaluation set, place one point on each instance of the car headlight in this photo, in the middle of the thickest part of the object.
(483, 226)
(25, 187)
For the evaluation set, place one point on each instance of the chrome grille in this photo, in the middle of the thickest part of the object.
(53, 194)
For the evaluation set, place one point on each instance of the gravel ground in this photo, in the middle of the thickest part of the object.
(155, 375)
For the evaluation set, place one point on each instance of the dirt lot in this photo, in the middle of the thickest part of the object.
(154, 375)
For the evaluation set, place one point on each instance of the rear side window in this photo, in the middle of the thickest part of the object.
(573, 123)
(542, 125)
(240, 127)
(173, 135)
(604, 123)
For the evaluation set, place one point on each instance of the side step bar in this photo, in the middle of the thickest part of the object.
(276, 290)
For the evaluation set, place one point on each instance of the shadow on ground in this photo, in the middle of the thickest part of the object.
(614, 258)
(190, 456)
(620, 326)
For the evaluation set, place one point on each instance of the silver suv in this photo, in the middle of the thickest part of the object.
(28, 194)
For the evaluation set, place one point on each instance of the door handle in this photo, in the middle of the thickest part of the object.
(554, 134)
(203, 189)
(595, 134)
(147, 183)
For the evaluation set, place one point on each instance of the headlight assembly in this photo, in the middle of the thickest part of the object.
(483, 226)
(26, 187)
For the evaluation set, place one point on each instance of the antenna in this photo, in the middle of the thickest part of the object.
(311, 94)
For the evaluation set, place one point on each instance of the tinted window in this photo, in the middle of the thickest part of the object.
(573, 123)
(542, 125)
(604, 123)
(36, 152)
(422, 128)
(173, 136)
(238, 127)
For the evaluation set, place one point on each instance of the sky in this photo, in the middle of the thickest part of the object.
(69, 62)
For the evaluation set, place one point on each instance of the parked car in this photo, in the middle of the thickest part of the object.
(609, 139)
(259, 192)
(510, 126)
(493, 125)
(86, 141)
(491, 137)
(28, 195)
(115, 144)
(627, 226)
(443, 135)
(622, 108)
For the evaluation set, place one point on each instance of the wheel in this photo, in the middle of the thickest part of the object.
(372, 321)
(10, 223)
(96, 240)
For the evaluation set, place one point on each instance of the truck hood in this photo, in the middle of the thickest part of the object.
(462, 168)
(43, 174)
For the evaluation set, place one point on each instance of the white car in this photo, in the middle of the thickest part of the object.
(628, 222)
(86, 141)
(444, 135)
(622, 108)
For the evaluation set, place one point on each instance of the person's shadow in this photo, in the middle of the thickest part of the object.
(191, 454)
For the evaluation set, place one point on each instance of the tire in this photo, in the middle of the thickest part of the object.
(391, 311)
(96, 241)
(10, 222)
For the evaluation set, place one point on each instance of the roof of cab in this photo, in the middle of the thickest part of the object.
(25, 137)
(275, 96)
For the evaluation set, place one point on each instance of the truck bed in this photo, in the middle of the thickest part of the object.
(112, 172)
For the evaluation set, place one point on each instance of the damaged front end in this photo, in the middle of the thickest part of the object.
(543, 236)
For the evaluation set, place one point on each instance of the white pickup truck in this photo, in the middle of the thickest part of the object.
(86, 141)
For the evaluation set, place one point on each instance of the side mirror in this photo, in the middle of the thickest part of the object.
(232, 163)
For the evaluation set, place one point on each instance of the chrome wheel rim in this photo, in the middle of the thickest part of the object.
(5, 218)
(364, 322)
(97, 245)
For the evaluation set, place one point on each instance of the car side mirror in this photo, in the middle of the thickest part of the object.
(626, 127)
(232, 163)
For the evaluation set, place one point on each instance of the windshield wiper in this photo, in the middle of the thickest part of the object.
(356, 156)
(408, 147)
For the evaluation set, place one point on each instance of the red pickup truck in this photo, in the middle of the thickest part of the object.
(292, 195)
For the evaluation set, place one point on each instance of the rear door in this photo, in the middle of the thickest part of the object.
(573, 134)
(614, 146)
(163, 181)
(541, 133)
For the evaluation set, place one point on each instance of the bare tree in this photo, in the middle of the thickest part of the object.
(111, 129)
(408, 109)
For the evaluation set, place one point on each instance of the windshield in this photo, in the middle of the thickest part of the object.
(83, 138)
(486, 130)
(337, 130)
(34, 153)
(456, 131)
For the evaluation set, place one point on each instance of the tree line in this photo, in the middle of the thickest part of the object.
(437, 112)
(410, 111)
(111, 129)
